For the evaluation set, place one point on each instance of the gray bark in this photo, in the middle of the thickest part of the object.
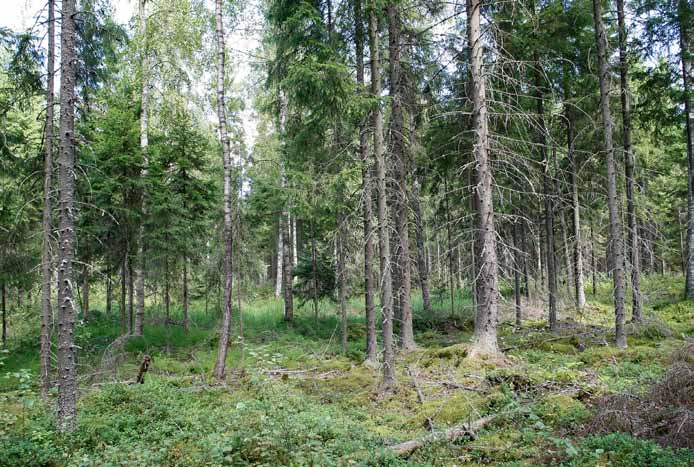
(46, 265)
(342, 279)
(616, 246)
(579, 288)
(629, 163)
(685, 13)
(484, 341)
(139, 268)
(227, 240)
(67, 380)
(422, 265)
(383, 234)
(367, 199)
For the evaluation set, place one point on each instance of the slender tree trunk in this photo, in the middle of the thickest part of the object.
(685, 18)
(167, 303)
(484, 341)
(383, 234)
(526, 254)
(516, 276)
(397, 132)
(46, 259)
(185, 293)
(295, 250)
(593, 265)
(421, 252)
(449, 234)
(549, 208)
(616, 246)
(67, 379)
(285, 228)
(314, 269)
(85, 287)
(579, 288)
(109, 292)
(123, 287)
(139, 264)
(225, 331)
(3, 294)
(632, 229)
(131, 300)
(280, 255)
(342, 278)
(367, 199)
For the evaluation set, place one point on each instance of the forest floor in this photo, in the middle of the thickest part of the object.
(294, 399)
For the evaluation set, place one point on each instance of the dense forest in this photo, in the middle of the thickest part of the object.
(347, 232)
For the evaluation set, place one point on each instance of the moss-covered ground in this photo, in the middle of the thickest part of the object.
(292, 398)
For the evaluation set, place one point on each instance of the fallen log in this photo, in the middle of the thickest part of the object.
(403, 449)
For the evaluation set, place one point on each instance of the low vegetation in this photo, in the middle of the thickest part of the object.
(291, 398)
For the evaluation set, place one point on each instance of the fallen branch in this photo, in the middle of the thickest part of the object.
(453, 434)
(454, 385)
(420, 397)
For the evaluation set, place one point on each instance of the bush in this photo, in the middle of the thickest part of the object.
(622, 450)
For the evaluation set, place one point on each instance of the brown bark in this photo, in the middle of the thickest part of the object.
(46, 259)
(484, 341)
(629, 163)
(399, 155)
(67, 381)
(123, 288)
(225, 331)
(383, 234)
(616, 246)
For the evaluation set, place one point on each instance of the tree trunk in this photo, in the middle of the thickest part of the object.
(632, 229)
(280, 255)
(579, 288)
(295, 244)
(516, 276)
(144, 144)
(367, 199)
(449, 234)
(484, 341)
(342, 278)
(67, 381)
(397, 132)
(421, 252)
(593, 265)
(4, 313)
(548, 193)
(46, 266)
(285, 228)
(131, 300)
(85, 289)
(383, 234)
(616, 246)
(314, 269)
(123, 287)
(526, 254)
(225, 331)
(684, 16)
(185, 293)
(167, 304)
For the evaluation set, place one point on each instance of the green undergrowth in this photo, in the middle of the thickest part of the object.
(292, 397)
